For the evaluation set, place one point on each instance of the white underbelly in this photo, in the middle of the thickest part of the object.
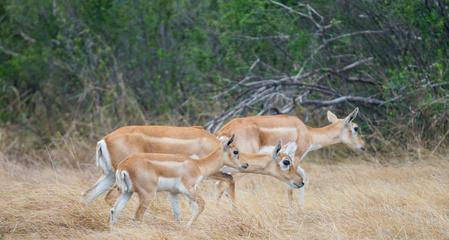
(194, 156)
(170, 185)
(288, 148)
(175, 185)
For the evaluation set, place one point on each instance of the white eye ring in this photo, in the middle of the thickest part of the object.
(283, 166)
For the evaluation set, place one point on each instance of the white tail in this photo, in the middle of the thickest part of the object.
(102, 157)
(123, 181)
(106, 181)
(97, 154)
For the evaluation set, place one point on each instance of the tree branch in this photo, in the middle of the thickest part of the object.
(338, 100)
(8, 52)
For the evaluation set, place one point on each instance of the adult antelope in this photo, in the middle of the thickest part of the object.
(147, 173)
(121, 143)
(260, 134)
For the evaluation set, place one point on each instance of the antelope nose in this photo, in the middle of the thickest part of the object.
(245, 165)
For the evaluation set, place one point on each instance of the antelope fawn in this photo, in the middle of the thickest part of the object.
(147, 173)
(279, 165)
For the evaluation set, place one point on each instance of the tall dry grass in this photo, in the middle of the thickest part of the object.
(349, 200)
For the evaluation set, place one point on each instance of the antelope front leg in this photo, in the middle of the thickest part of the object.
(225, 181)
(301, 196)
(175, 205)
(290, 197)
(221, 189)
(198, 207)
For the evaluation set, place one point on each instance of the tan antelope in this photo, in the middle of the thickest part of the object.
(147, 173)
(278, 164)
(121, 143)
(261, 133)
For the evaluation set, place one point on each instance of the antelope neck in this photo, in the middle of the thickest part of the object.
(213, 162)
(257, 162)
(324, 136)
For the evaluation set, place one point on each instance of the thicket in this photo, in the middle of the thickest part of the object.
(86, 67)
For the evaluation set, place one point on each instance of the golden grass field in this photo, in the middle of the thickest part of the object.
(352, 200)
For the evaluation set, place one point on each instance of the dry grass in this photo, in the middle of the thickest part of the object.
(343, 201)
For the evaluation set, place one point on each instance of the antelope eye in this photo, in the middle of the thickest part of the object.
(286, 162)
(236, 152)
(356, 129)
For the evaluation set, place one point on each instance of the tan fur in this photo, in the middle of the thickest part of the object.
(159, 139)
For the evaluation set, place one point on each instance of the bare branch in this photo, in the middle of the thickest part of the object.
(354, 34)
(338, 100)
(290, 9)
(346, 35)
(309, 15)
(251, 38)
(355, 64)
(27, 37)
(274, 91)
(8, 52)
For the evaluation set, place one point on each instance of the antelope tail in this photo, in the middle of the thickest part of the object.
(102, 158)
(123, 181)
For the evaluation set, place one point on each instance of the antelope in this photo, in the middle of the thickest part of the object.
(147, 173)
(278, 164)
(260, 133)
(119, 144)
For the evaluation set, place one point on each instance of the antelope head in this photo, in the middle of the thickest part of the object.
(231, 156)
(284, 170)
(349, 131)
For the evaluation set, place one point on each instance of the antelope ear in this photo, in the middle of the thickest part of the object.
(291, 149)
(231, 140)
(352, 116)
(223, 139)
(331, 117)
(277, 149)
(226, 141)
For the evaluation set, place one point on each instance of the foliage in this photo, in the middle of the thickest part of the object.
(89, 66)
